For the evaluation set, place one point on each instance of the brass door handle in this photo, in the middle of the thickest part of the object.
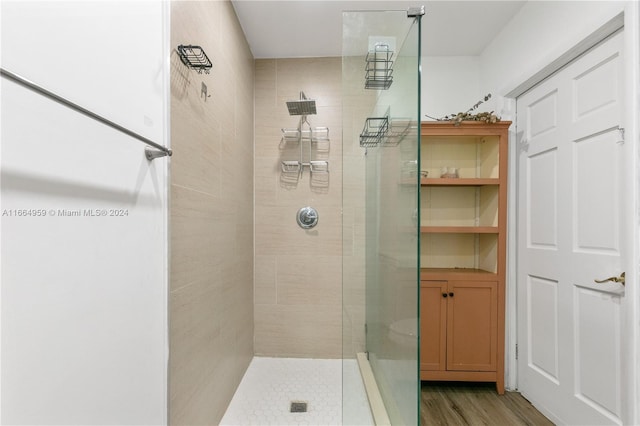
(619, 279)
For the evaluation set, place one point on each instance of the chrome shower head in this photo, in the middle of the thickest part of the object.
(303, 106)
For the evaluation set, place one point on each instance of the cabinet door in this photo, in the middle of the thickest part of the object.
(433, 325)
(472, 326)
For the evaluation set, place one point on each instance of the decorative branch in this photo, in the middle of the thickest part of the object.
(468, 115)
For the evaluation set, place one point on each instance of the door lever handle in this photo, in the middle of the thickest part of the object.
(619, 279)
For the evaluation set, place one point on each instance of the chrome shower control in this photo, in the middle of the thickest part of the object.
(307, 217)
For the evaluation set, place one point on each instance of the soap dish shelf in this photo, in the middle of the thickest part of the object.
(195, 58)
(291, 166)
(374, 131)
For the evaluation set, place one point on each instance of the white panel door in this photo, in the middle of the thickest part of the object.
(571, 159)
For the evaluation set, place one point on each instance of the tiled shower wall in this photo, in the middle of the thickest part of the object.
(211, 290)
(298, 273)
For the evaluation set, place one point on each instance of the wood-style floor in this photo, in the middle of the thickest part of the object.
(452, 403)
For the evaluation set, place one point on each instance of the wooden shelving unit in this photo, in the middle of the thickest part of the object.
(463, 251)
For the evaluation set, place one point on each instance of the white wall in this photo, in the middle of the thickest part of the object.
(450, 84)
(83, 298)
(539, 33)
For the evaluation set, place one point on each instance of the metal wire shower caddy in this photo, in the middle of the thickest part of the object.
(195, 58)
(379, 71)
(374, 131)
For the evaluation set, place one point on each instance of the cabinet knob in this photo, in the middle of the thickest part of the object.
(444, 294)
(451, 294)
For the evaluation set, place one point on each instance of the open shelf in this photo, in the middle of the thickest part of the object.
(459, 229)
(460, 207)
(446, 274)
(452, 248)
(473, 156)
(459, 182)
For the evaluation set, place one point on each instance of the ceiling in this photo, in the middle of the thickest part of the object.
(311, 28)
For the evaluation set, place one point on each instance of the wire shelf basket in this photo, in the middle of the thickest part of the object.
(378, 80)
(398, 130)
(379, 71)
(319, 134)
(291, 135)
(319, 166)
(291, 166)
(319, 174)
(374, 131)
(195, 58)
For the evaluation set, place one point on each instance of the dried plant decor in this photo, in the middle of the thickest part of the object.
(469, 115)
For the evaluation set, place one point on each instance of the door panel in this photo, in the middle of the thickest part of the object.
(542, 115)
(472, 324)
(596, 88)
(542, 196)
(433, 320)
(597, 350)
(597, 194)
(542, 297)
(570, 164)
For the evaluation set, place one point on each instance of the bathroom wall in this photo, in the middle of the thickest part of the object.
(298, 274)
(521, 49)
(84, 226)
(211, 282)
(450, 84)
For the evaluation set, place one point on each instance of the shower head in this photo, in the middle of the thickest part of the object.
(303, 106)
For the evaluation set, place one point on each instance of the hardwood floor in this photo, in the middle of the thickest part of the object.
(453, 403)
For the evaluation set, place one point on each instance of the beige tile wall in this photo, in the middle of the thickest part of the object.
(357, 106)
(211, 291)
(298, 273)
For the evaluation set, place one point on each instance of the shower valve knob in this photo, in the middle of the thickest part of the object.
(307, 217)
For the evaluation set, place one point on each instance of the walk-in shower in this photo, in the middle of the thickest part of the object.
(381, 110)
(326, 296)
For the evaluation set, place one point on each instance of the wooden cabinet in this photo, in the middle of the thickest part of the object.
(463, 251)
(459, 328)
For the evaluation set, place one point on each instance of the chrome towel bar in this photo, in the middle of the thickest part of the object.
(150, 154)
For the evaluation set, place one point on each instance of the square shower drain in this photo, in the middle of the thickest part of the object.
(298, 407)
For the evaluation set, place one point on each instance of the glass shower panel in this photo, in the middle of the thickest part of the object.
(381, 97)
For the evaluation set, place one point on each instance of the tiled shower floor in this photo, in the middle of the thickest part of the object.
(271, 384)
